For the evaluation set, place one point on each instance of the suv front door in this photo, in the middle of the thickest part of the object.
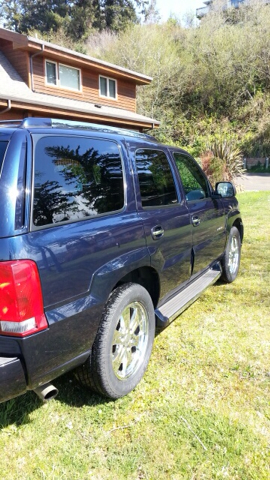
(207, 215)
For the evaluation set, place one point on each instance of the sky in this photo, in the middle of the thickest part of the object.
(177, 7)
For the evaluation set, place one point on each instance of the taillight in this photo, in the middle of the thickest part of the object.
(21, 302)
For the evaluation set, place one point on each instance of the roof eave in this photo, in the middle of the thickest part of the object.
(34, 44)
(113, 117)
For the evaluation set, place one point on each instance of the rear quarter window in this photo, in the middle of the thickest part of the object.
(76, 178)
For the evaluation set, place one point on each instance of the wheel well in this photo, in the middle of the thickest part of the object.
(146, 277)
(239, 225)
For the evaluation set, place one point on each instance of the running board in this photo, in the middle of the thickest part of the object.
(176, 305)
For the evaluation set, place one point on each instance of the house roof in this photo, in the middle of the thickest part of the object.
(15, 93)
(34, 44)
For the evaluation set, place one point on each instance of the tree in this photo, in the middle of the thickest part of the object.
(85, 16)
(11, 14)
(25, 15)
(151, 13)
(117, 14)
(79, 17)
(152, 50)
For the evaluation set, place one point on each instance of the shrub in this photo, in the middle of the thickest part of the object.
(226, 160)
(213, 167)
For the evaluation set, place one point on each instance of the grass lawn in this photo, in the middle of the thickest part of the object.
(202, 411)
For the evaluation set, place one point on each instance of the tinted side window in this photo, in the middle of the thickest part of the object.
(155, 178)
(3, 147)
(194, 183)
(75, 178)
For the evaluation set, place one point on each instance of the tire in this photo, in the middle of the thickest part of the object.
(123, 345)
(232, 255)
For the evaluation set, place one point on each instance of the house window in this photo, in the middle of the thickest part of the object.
(51, 75)
(69, 77)
(107, 87)
(63, 75)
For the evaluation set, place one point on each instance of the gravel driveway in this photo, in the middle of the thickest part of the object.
(254, 181)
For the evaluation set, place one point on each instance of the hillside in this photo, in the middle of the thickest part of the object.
(209, 81)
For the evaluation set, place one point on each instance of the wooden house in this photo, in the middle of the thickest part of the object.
(39, 78)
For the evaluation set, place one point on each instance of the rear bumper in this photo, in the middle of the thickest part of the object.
(12, 378)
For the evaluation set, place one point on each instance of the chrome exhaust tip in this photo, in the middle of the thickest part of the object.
(46, 392)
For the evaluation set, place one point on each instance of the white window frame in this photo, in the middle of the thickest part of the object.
(56, 71)
(58, 85)
(108, 90)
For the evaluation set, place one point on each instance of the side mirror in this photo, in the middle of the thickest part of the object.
(225, 189)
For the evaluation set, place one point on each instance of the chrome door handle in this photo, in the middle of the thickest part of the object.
(196, 221)
(157, 232)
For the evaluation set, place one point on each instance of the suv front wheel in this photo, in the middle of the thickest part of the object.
(231, 259)
(123, 345)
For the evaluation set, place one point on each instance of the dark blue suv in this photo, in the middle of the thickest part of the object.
(106, 236)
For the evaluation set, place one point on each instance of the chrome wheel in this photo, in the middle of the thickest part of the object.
(123, 344)
(234, 255)
(231, 259)
(130, 340)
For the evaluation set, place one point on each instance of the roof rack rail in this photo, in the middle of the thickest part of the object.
(10, 123)
(27, 122)
(60, 123)
(40, 122)
(36, 122)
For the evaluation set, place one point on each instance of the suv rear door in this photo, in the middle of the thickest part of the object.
(165, 217)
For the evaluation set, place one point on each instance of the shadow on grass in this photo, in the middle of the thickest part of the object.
(17, 411)
(72, 393)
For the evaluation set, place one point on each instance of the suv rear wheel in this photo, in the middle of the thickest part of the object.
(123, 345)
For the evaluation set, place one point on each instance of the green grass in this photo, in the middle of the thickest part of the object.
(200, 413)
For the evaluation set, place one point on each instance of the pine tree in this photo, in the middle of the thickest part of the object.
(77, 18)
(26, 15)
(84, 17)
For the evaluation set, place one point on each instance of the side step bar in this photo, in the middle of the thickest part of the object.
(182, 300)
